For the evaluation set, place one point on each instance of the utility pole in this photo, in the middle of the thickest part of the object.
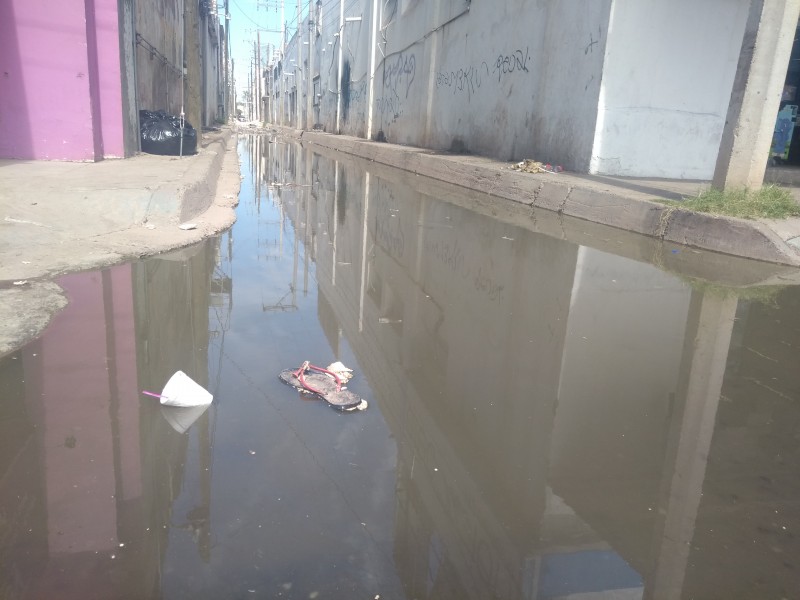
(339, 71)
(254, 82)
(230, 106)
(250, 93)
(260, 111)
(312, 28)
(373, 48)
(298, 68)
(281, 98)
(191, 58)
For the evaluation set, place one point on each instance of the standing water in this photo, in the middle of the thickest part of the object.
(547, 419)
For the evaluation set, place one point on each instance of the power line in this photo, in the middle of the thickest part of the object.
(248, 17)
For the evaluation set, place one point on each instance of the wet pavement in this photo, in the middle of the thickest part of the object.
(547, 419)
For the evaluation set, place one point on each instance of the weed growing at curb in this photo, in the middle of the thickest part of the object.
(771, 202)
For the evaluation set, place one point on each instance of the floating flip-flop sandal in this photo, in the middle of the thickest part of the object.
(325, 384)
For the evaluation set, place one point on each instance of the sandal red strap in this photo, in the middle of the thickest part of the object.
(307, 366)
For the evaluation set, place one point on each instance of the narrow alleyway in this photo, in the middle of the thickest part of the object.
(546, 420)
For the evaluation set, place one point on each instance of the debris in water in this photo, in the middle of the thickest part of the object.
(344, 374)
(310, 379)
(182, 391)
(384, 320)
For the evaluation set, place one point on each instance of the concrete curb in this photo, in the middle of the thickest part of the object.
(712, 267)
(571, 195)
(195, 192)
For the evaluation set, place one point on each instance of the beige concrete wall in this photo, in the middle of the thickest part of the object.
(158, 84)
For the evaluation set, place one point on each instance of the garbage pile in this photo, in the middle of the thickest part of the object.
(161, 133)
(534, 166)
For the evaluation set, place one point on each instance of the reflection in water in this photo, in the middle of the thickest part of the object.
(90, 469)
(556, 410)
(547, 421)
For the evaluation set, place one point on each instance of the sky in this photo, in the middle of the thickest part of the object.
(247, 17)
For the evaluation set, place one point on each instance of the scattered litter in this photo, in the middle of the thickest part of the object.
(534, 166)
(252, 452)
(149, 226)
(345, 374)
(21, 282)
(26, 262)
(182, 391)
(384, 320)
(228, 196)
(507, 238)
(187, 226)
(675, 251)
(166, 134)
(325, 384)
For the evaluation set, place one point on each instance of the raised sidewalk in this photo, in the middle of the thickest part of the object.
(59, 217)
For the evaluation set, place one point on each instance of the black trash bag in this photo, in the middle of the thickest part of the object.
(161, 133)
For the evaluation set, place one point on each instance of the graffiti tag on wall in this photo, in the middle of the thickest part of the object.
(399, 72)
(471, 78)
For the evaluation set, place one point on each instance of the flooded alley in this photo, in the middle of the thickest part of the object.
(557, 410)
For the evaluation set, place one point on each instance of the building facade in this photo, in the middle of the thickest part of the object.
(74, 80)
(609, 87)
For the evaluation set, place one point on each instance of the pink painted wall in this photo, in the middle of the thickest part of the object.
(110, 77)
(56, 58)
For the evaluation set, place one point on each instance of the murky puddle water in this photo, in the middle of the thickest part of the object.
(547, 420)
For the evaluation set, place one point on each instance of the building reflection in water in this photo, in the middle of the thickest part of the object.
(556, 408)
(568, 422)
(89, 469)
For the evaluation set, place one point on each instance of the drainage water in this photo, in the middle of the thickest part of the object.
(546, 419)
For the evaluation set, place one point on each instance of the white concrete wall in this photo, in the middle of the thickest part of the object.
(355, 45)
(667, 81)
(571, 64)
(615, 87)
(512, 80)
